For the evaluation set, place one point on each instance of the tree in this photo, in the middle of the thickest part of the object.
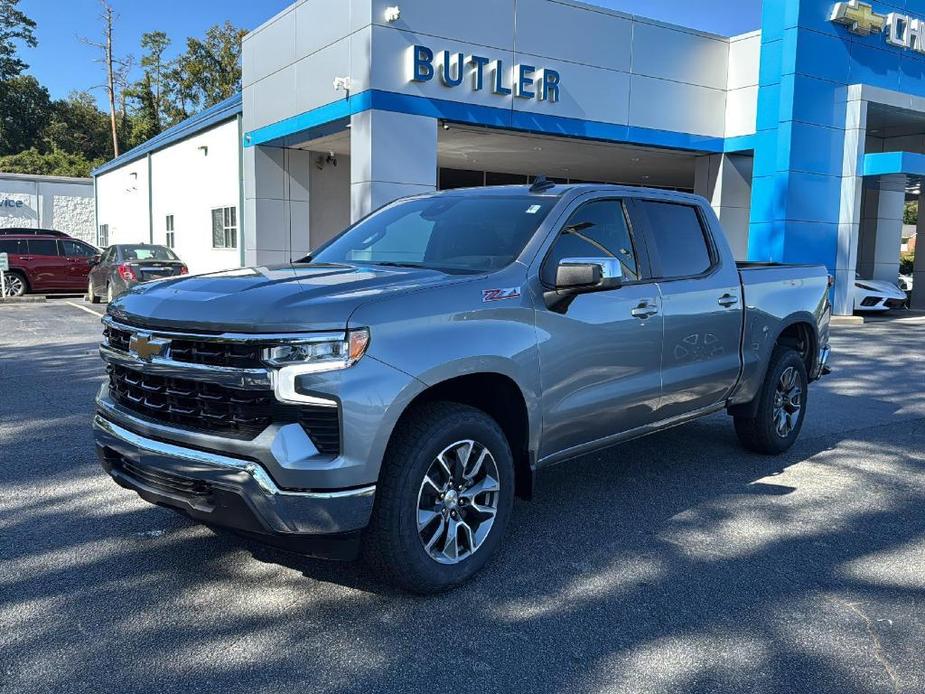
(54, 163)
(79, 127)
(15, 27)
(155, 44)
(208, 71)
(116, 69)
(25, 111)
(911, 212)
(144, 121)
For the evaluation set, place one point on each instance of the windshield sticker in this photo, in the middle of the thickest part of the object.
(489, 295)
(533, 209)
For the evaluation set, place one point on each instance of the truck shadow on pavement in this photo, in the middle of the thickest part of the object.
(676, 562)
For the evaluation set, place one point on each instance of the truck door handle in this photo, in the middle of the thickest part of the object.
(727, 300)
(646, 309)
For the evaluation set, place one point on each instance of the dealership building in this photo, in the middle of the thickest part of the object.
(47, 202)
(806, 135)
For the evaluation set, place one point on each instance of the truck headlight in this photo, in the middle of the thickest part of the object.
(322, 353)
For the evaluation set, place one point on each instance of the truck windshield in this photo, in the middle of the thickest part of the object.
(472, 233)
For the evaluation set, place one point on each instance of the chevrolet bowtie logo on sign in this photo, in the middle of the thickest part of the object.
(146, 347)
(859, 17)
(900, 30)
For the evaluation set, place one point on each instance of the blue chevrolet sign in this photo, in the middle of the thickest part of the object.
(529, 82)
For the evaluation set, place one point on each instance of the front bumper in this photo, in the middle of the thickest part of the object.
(235, 493)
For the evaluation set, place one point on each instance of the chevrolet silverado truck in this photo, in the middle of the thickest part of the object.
(390, 394)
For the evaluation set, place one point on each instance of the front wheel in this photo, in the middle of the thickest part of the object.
(781, 406)
(444, 498)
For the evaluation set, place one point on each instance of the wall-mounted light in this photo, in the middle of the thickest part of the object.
(342, 84)
(392, 13)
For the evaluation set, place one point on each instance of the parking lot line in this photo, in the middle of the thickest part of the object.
(84, 308)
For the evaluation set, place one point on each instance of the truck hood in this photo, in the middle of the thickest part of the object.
(285, 298)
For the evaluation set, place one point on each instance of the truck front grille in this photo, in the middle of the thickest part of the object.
(117, 339)
(214, 409)
(227, 354)
(193, 404)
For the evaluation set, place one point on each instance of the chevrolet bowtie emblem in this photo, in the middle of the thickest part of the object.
(145, 347)
(859, 17)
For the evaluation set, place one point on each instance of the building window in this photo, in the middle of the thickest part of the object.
(102, 238)
(170, 237)
(225, 227)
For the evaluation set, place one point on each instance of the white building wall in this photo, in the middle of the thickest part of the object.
(122, 202)
(742, 84)
(48, 202)
(190, 179)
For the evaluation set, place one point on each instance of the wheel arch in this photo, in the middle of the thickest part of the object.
(798, 331)
(499, 396)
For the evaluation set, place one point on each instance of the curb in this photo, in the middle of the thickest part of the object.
(22, 300)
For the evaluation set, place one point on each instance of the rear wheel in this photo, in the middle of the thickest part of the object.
(14, 283)
(91, 295)
(781, 406)
(444, 497)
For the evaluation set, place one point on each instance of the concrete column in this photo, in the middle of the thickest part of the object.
(889, 235)
(276, 199)
(850, 207)
(391, 155)
(867, 232)
(918, 268)
(726, 181)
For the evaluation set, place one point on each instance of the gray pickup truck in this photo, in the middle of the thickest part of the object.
(394, 391)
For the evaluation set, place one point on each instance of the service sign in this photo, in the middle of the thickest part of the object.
(899, 29)
(478, 72)
(4, 262)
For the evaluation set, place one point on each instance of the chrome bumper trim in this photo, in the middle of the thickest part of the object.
(221, 462)
(220, 375)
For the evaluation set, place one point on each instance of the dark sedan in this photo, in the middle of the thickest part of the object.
(122, 266)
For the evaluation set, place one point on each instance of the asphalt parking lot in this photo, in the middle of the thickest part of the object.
(675, 563)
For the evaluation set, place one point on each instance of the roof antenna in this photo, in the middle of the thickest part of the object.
(541, 184)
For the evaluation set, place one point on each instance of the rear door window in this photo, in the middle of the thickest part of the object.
(14, 246)
(43, 247)
(679, 246)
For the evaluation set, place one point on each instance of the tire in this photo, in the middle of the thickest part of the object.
(395, 542)
(91, 295)
(16, 283)
(781, 406)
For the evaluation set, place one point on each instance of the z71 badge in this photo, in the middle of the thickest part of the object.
(489, 295)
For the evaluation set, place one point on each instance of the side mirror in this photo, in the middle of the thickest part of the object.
(576, 276)
(94, 260)
(589, 274)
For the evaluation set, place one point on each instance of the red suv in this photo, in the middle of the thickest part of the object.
(45, 261)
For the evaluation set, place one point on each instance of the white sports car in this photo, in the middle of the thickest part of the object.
(877, 295)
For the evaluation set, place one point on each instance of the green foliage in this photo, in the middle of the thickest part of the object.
(79, 127)
(906, 262)
(25, 111)
(911, 212)
(15, 28)
(208, 71)
(53, 163)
